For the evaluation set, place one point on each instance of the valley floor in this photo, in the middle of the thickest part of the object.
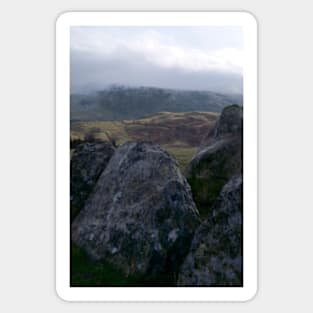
(178, 133)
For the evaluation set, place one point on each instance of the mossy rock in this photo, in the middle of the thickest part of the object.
(210, 169)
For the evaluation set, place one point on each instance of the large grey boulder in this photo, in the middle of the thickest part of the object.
(215, 257)
(87, 163)
(219, 158)
(140, 217)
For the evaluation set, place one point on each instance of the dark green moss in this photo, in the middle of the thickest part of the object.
(204, 193)
(210, 175)
(85, 272)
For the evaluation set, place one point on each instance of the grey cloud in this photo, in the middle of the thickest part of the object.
(92, 69)
(96, 73)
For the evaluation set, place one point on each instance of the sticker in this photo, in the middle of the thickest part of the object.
(156, 159)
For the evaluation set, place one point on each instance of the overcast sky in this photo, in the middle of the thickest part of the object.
(198, 58)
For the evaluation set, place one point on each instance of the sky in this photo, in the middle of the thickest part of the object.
(179, 57)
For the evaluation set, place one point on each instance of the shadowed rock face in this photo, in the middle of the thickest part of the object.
(219, 158)
(87, 163)
(215, 257)
(230, 123)
(140, 216)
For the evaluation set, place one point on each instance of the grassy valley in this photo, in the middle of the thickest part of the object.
(178, 133)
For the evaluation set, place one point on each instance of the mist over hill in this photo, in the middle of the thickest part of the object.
(121, 102)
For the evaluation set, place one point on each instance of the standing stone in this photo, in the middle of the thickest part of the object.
(140, 217)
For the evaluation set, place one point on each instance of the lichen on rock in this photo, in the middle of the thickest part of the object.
(141, 214)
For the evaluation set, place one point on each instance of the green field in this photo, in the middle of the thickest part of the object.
(178, 133)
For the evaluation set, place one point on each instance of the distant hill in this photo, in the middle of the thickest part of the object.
(119, 102)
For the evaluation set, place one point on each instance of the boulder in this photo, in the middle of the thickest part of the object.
(229, 125)
(140, 217)
(215, 256)
(219, 158)
(87, 163)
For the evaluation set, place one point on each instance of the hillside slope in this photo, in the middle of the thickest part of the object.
(118, 102)
(178, 133)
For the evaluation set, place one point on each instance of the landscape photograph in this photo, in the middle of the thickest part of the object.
(156, 156)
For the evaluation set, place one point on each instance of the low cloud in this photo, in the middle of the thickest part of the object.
(162, 57)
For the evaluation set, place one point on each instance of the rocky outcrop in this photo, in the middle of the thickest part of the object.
(215, 257)
(229, 125)
(87, 163)
(219, 158)
(140, 216)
